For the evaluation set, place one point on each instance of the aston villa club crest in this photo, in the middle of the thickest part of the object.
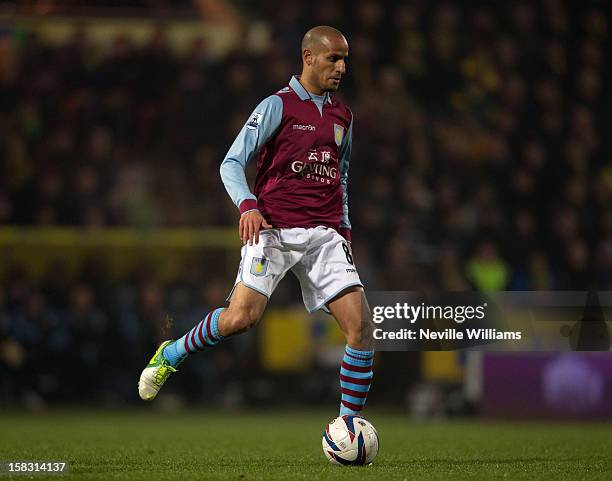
(338, 134)
(259, 266)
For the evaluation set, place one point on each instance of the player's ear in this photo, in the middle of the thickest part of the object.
(307, 56)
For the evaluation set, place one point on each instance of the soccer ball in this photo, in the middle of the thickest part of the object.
(350, 441)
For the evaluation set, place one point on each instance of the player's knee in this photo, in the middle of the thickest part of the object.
(241, 319)
(361, 334)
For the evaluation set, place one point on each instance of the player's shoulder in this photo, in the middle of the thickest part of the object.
(286, 94)
(342, 107)
(277, 97)
(285, 90)
(272, 102)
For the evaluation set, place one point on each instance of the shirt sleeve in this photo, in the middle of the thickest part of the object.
(345, 154)
(261, 125)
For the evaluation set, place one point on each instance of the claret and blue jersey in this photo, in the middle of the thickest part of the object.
(302, 144)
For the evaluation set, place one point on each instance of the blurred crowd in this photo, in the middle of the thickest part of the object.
(87, 340)
(482, 157)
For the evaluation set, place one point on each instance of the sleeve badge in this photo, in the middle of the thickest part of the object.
(254, 121)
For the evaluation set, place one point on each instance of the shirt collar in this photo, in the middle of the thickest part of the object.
(302, 93)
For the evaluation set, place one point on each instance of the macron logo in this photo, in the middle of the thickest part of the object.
(309, 127)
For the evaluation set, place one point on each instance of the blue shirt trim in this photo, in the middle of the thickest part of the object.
(345, 155)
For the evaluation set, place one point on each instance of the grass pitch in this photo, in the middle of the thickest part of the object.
(149, 445)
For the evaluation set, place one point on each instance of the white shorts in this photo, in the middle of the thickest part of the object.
(319, 257)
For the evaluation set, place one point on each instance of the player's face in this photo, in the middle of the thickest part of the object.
(329, 64)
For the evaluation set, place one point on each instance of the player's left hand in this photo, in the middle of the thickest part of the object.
(251, 223)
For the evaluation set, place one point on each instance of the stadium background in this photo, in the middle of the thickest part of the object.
(481, 160)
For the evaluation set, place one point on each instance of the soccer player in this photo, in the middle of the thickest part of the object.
(296, 219)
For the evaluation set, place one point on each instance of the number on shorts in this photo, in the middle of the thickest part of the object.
(347, 251)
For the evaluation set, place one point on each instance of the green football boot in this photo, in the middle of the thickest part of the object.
(155, 374)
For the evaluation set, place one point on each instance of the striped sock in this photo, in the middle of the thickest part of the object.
(355, 379)
(203, 335)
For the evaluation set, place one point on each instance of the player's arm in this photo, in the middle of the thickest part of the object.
(260, 126)
(345, 154)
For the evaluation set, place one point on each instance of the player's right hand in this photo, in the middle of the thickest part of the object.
(251, 223)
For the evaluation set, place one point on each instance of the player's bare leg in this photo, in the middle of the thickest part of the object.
(353, 315)
(245, 310)
(351, 310)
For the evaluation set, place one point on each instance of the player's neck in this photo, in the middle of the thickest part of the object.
(309, 86)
